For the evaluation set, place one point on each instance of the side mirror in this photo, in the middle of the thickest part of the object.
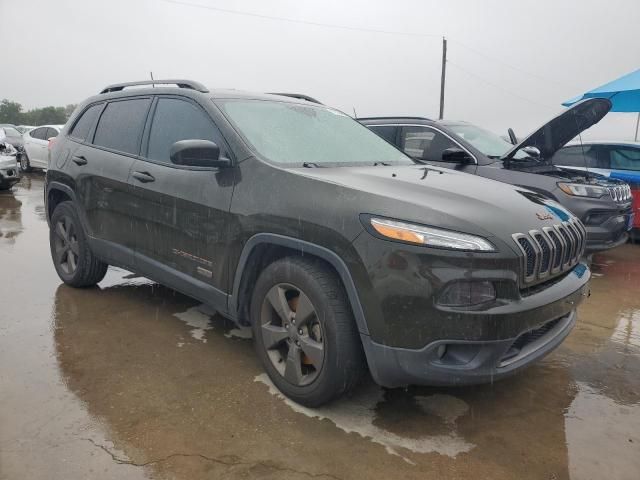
(456, 155)
(197, 153)
(532, 151)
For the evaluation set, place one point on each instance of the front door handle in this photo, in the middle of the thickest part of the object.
(143, 177)
(79, 160)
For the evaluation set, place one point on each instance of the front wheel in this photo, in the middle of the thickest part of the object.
(25, 164)
(304, 331)
(73, 260)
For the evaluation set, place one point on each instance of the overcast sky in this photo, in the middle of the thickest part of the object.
(511, 63)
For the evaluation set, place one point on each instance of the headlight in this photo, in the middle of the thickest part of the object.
(582, 190)
(430, 236)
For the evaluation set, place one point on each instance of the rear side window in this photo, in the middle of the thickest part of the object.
(121, 124)
(388, 132)
(176, 120)
(85, 122)
(39, 133)
(51, 133)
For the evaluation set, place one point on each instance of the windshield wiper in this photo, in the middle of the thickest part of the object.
(384, 164)
(310, 165)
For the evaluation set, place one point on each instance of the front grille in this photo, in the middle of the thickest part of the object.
(620, 193)
(551, 250)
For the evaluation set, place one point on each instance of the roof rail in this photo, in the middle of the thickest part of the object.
(190, 84)
(299, 96)
(398, 117)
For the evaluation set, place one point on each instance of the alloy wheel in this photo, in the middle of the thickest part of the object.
(292, 334)
(66, 248)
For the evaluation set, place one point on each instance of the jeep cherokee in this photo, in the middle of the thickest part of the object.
(602, 204)
(339, 250)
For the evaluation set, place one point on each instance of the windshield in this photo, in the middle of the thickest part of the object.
(487, 142)
(293, 134)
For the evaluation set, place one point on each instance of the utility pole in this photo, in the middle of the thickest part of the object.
(444, 74)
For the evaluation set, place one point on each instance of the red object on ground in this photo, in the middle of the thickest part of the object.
(635, 190)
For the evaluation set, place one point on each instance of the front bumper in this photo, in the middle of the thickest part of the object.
(609, 234)
(488, 346)
(9, 173)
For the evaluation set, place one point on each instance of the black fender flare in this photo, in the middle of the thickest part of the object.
(305, 248)
(67, 190)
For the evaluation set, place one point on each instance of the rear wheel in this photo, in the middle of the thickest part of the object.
(73, 260)
(304, 331)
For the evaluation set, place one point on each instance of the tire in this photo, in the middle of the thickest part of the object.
(73, 260)
(25, 164)
(317, 379)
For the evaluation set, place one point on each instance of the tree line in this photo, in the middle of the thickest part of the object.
(12, 112)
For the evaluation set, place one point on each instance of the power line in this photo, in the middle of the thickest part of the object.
(303, 22)
(498, 87)
(512, 67)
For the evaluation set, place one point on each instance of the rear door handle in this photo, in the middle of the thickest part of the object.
(143, 177)
(79, 160)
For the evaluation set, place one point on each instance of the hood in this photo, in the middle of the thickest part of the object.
(554, 134)
(443, 198)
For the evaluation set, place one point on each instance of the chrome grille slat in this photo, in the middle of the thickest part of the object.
(551, 250)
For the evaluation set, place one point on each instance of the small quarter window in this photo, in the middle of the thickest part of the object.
(85, 122)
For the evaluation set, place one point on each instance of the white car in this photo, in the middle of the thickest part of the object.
(36, 147)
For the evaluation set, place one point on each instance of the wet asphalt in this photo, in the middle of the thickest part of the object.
(133, 380)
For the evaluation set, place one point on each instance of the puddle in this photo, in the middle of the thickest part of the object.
(198, 321)
(357, 414)
(243, 333)
(603, 436)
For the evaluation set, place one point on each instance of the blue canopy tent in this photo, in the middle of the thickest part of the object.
(624, 94)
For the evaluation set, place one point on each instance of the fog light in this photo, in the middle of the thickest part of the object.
(466, 293)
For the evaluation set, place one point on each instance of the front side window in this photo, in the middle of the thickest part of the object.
(51, 133)
(292, 134)
(623, 158)
(415, 141)
(176, 120)
(85, 122)
(121, 124)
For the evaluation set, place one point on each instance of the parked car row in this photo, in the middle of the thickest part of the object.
(32, 143)
(343, 253)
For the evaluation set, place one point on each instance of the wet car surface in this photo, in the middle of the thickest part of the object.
(132, 380)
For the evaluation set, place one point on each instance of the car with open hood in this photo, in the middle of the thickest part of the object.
(612, 158)
(344, 254)
(604, 205)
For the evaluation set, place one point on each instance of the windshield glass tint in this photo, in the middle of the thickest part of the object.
(487, 142)
(291, 134)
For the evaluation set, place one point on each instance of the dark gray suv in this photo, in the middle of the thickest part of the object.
(339, 250)
(602, 204)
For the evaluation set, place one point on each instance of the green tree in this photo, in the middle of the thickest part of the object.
(10, 112)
